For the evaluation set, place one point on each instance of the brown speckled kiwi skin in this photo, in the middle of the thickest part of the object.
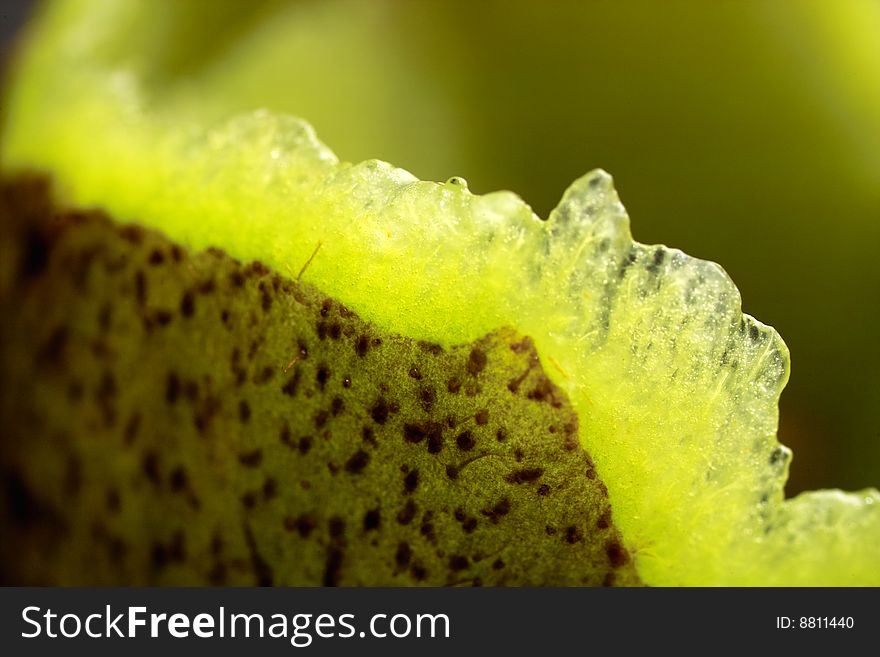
(182, 418)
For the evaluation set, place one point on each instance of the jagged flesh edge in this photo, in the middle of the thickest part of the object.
(676, 390)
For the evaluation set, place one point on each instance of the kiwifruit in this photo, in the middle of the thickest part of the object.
(259, 364)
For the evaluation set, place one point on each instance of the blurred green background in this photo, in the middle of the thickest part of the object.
(744, 132)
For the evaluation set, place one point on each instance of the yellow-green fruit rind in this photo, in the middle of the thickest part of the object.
(178, 418)
(676, 391)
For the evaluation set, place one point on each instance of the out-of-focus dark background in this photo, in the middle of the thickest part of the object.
(747, 133)
(12, 15)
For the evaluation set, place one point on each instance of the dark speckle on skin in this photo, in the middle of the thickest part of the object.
(573, 535)
(337, 406)
(290, 387)
(178, 479)
(407, 513)
(249, 500)
(458, 562)
(187, 304)
(372, 520)
(156, 257)
(36, 253)
(172, 387)
(244, 411)
(617, 554)
(435, 440)
(333, 566)
(498, 511)
(380, 411)
(270, 488)
(322, 375)
(150, 466)
(524, 475)
(321, 418)
(411, 481)
(303, 524)
(251, 459)
(476, 361)
(357, 462)
(465, 441)
(403, 554)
